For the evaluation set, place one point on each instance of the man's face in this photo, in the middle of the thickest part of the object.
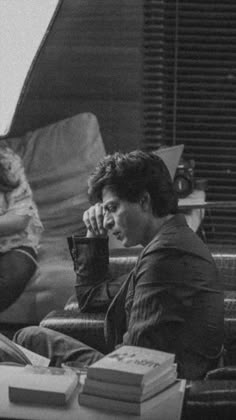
(124, 219)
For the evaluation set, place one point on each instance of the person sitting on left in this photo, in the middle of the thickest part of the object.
(20, 228)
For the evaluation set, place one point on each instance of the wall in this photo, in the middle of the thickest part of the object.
(91, 61)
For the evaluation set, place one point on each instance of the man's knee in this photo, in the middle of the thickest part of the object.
(24, 335)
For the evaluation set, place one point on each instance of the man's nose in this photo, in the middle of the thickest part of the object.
(108, 221)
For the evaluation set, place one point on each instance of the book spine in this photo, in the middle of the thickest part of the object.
(172, 392)
(117, 377)
(126, 392)
(36, 397)
(94, 401)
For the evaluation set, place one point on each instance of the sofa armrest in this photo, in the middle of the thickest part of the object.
(210, 400)
(226, 372)
(85, 327)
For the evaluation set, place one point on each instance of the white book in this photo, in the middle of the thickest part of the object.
(34, 358)
(42, 385)
(172, 395)
(131, 365)
(127, 392)
(14, 353)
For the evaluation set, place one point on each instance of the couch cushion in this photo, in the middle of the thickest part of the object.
(58, 159)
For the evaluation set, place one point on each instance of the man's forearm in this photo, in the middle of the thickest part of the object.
(91, 261)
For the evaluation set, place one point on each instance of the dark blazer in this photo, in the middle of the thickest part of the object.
(172, 300)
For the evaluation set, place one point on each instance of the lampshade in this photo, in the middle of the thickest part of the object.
(171, 157)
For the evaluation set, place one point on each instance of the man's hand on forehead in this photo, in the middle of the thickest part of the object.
(93, 219)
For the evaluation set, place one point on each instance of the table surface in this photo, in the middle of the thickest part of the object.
(73, 411)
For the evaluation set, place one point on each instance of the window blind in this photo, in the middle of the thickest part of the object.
(189, 94)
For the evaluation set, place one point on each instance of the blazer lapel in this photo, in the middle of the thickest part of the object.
(115, 321)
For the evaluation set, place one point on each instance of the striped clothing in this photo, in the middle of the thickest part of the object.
(18, 201)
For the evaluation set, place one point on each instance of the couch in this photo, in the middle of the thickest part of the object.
(210, 399)
(57, 160)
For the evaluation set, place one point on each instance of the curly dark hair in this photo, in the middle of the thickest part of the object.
(129, 175)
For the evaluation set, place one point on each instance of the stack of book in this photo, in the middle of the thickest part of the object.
(131, 380)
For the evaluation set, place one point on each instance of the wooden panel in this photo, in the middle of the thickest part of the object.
(91, 61)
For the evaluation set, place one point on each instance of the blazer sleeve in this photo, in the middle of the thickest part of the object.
(95, 288)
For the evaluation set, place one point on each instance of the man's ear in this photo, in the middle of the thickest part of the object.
(145, 201)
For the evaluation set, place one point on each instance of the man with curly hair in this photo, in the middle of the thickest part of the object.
(172, 299)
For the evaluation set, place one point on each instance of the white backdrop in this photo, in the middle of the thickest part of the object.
(23, 24)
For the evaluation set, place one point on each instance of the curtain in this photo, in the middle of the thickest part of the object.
(189, 94)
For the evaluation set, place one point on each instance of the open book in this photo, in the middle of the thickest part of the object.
(15, 354)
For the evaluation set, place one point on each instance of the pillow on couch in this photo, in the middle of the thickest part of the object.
(57, 159)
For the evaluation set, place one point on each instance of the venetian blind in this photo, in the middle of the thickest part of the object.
(189, 94)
